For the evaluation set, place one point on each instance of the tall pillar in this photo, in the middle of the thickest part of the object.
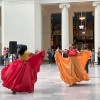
(38, 34)
(96, 27)
(65, 26)
(71, 15)
(46, 29)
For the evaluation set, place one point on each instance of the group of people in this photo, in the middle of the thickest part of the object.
(93, 57)
(21, 74)
(50, 55)
(6, 55)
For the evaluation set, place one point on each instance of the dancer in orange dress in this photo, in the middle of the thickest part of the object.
(21, 74)
(72, 69)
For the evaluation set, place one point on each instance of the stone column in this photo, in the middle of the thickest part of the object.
(38, 34)
(71, 15)
(96, 27)
(65, 26)
(46, 30)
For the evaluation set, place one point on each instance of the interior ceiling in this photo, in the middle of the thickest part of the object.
(73, 6)
(83, 3)
(86, 3)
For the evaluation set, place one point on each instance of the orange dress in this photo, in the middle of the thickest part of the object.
(72, 69)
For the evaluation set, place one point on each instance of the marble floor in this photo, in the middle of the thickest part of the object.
(49, 86)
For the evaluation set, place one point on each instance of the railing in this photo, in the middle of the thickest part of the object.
(5, 61)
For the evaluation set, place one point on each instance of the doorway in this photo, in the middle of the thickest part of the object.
(84, 34)
(56, 30)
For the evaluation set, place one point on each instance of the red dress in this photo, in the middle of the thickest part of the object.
(20, 76)
(72, 52)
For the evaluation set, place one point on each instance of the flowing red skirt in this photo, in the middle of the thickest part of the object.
(20, 76)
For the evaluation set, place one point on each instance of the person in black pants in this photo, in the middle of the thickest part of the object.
(49, 55)
(86, 48)
(98, 56)
(65, 54)
(86, 68)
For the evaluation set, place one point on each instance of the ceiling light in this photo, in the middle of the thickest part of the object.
(82, 18)
(81, 26)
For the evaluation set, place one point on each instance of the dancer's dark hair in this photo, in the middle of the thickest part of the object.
(22, 49)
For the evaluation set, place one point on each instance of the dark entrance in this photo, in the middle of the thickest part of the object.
(85, 35)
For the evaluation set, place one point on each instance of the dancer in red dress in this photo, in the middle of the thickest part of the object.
(21, 75)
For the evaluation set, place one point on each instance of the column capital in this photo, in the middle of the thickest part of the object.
(67, 5)
(96, 3)
(92, 13)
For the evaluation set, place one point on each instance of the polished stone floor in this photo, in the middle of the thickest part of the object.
(49, 86)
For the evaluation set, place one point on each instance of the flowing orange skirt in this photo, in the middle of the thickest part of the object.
(72, 69)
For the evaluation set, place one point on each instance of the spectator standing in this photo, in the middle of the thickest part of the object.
(98, 56)
(85, 49)
(49, 55)
(4, 55)
(92, 57)
(7, 56)
(53, 53)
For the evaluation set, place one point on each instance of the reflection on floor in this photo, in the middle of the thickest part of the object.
(49, 86)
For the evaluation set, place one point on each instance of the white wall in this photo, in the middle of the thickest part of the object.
(19, 24)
